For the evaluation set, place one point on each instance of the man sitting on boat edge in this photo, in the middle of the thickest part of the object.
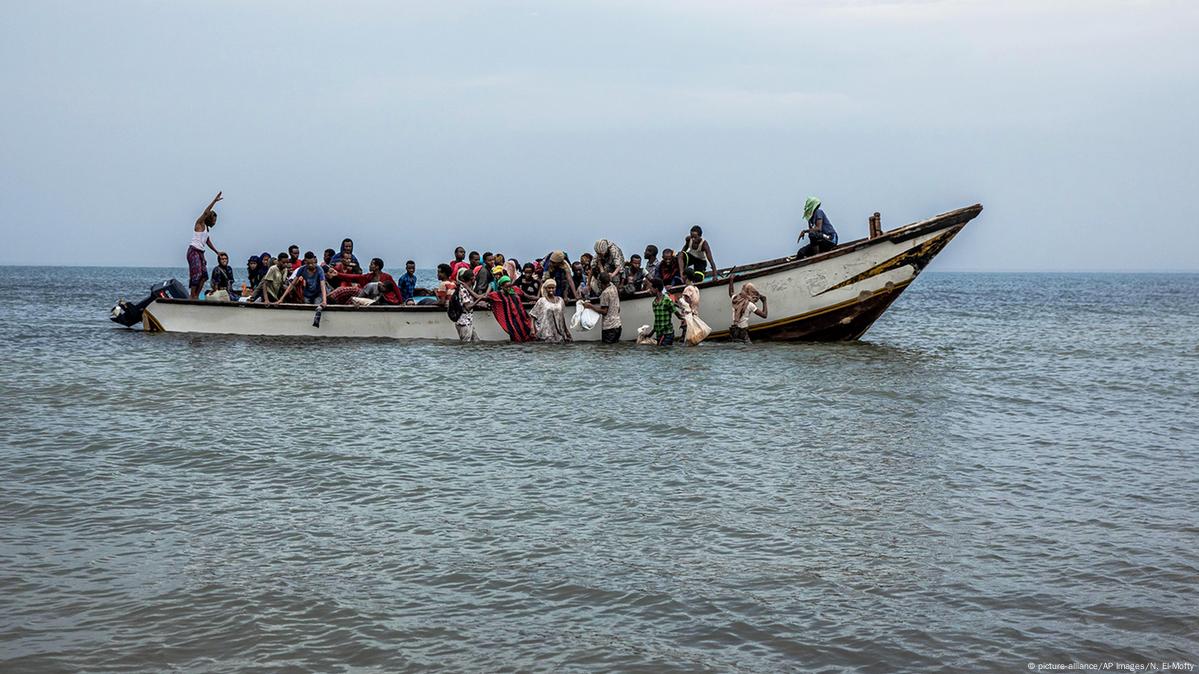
(821, 235)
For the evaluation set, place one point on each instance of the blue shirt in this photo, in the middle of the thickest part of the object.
(312, 281)
(826, 227)
(407, 285)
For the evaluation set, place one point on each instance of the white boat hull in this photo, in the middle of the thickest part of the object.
(833, 296)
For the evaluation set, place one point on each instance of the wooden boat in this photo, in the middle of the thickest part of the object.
(833, 296)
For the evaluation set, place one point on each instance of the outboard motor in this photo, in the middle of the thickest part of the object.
(172, 288)
(129, 314)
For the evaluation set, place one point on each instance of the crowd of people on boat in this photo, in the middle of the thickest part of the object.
(527, 299)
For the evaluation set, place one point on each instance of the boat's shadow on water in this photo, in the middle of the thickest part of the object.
(860, 351)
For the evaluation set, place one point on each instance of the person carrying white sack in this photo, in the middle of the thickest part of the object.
(695, 330)
(584, 318)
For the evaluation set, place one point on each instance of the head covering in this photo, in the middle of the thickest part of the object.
(809, 207)
(254, 258)
(742, 299)
(461, 271)
(502, 280)
(557, 257)
(601, 247)
(548, 288)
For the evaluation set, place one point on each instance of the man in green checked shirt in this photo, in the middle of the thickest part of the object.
(663, 311)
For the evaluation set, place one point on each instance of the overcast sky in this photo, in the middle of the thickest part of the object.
(525, 126)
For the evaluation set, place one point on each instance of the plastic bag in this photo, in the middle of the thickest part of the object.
(584, 318)
(645, 335)
(697, 329)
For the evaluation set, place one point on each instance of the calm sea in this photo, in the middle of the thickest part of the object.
(1002, 472)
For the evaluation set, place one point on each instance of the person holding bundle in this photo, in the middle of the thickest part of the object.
(745, 304)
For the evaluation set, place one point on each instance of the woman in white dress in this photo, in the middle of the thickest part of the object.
(549, 315)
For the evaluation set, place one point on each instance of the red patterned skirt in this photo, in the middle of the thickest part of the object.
(197, 267)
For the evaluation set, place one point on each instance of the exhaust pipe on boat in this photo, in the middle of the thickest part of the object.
(130, 314)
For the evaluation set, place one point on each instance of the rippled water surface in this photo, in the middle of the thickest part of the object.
(1002, 472)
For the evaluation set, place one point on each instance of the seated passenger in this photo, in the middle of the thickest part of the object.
(347, 265)
(311, 281)
(556, 266)
(578, 277)
(445, 287)
(633, 279)
(696, 254)
(512, 269)
(328, 260)
(255, 271)
(222, 274)
(384, 291)
(459, 262)
(484, 278)
(821, 235)
(651, 261)
(528, 284)
(407, 281)
(668, 269)
(382, 286)
(219, 290)
(347, 251)
(274, 281)
(293, 254)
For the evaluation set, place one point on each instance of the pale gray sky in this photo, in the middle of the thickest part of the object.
(525, 126)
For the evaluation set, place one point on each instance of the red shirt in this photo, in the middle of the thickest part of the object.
(455, 266)
(390, 296)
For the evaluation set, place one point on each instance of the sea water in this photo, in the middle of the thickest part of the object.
(1002, 472)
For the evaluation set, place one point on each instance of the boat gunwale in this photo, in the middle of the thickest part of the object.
(957, 217)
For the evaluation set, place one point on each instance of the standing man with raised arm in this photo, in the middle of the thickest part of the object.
(197, 267)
